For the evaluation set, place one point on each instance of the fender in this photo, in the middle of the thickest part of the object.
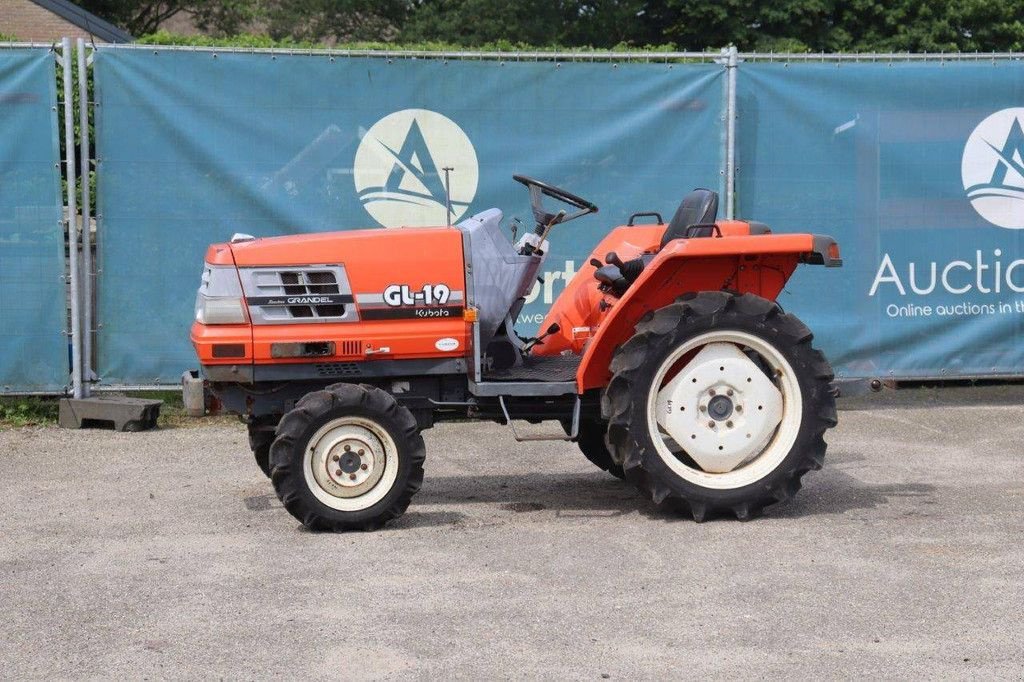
(757, 264)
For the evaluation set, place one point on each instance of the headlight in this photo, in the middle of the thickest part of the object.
(226, 310)
(219, 299)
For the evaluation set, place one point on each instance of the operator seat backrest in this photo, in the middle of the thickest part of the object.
(699, 207)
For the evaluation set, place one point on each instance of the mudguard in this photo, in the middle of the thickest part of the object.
(757, 264)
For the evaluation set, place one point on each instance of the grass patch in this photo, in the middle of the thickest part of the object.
(27, 411)
(19, 411)
(172, 412)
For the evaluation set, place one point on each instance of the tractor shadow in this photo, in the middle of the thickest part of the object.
(833, 491)
(828, 492)
(568, 495)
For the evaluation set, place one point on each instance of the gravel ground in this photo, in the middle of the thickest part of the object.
(166, 554)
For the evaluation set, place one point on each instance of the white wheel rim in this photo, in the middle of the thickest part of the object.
(350, 463)
(750, 427)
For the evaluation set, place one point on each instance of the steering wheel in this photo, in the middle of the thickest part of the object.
(538, 189)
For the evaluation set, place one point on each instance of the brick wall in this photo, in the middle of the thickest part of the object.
(27, 21)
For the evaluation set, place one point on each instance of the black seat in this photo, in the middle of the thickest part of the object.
(699, 207)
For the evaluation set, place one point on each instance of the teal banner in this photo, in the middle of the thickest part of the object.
(34, 353)
(918, 170)
(195, 146)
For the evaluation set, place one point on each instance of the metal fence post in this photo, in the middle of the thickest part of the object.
(732, 61)
(69, 162)
(87, 273)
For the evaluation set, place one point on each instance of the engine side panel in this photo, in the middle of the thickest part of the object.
(403, 292)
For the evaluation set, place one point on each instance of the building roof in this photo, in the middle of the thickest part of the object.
(87, 21)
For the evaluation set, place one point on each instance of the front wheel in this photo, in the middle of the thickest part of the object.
(347, 458)
(719, 403)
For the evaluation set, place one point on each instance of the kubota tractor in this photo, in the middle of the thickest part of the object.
(665, 359)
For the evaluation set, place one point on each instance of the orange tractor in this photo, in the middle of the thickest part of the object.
(665, 359)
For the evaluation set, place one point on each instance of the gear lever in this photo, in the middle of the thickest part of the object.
(530, 343)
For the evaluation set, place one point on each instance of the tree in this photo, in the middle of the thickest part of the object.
(335, 20)
(780, 25)
(848, 25)
(477, 22)
(141, 17)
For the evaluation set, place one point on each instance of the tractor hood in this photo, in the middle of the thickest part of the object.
(322, 247)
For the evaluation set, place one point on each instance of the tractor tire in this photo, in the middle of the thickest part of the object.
(738, 383)
(348, 457)
(261, 436)
(591, 443)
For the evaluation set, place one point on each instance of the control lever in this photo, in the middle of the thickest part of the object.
(530, 343)
(596, 263)
(613, 259)
(547, 229)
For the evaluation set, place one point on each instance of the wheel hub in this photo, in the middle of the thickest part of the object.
(348, 460)
(350, 463)
(720, 408)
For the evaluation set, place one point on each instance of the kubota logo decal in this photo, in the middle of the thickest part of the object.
(993, 168)
(398, 169)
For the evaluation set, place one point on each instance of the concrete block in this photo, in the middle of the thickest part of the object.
(126, 414)
(193, 393)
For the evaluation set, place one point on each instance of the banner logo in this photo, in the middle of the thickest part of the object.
(398, 169)
(993, 168)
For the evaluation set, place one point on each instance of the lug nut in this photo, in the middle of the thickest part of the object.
(739, 408)
(728, 425)
(364, 467)
(711, 425)
(339, 473)
(348, 448)
(352, 477)
(361, 452)
(335, 458)
(729, 392)
(711, 391)
(703, 408)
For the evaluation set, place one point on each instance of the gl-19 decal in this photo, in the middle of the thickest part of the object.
(430, 294)
(401, 301)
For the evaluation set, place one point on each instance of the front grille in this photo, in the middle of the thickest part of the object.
(280, 295)
(337, 369)
(303, 283)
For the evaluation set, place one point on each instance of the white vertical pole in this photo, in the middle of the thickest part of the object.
(87, 274)
(69, 161)
(730, 133)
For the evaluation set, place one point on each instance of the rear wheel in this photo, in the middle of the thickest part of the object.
(719, 403)
(348, 457)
